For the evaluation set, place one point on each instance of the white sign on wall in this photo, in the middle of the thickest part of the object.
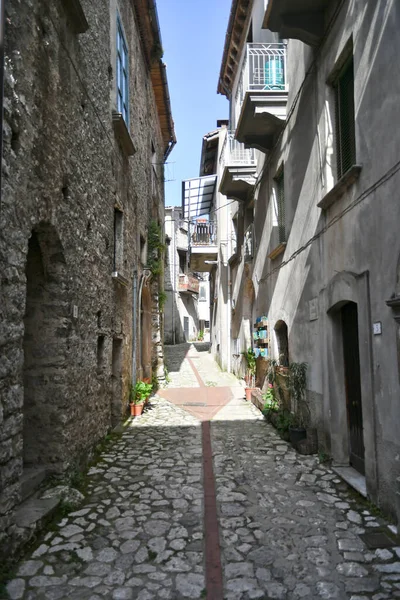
(313, 308)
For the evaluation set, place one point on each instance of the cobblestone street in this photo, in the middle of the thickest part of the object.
(288, 527)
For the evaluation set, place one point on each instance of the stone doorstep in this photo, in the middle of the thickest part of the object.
(32, 478)
(34, 512)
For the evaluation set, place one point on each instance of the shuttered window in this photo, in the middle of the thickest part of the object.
(122, 74)
(344, 117)
(280, 193)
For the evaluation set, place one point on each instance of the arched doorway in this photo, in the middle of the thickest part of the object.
(47, 325)
(282, 339)
(146, 331)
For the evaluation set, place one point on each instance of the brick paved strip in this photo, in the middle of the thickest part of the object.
(213, 551)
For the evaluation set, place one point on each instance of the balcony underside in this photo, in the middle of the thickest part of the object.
(238, 182)
(262, 118)
(200, 254)
(299, 19)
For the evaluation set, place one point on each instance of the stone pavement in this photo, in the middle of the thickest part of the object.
(178, 509)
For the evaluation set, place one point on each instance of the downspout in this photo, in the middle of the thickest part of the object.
(2, 2)
(144, 278)
(173, 278)
(134, 327)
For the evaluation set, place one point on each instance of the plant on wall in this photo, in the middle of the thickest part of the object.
(156, 247)
(297, 387)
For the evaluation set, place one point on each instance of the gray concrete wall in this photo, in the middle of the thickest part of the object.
(359, 252)
(63, 174)
(348, 252)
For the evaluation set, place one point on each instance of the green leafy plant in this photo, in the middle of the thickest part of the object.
(297, 387)
(271, 404)
(156, 248)
(200, 335)
(140, 392)
(251, 364)
(162, 298)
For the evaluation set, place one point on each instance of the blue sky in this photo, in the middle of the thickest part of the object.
(193, 35)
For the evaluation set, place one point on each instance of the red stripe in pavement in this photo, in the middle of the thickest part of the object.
(213, 551)
(195, 371)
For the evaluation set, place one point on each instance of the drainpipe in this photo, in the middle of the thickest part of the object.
(145, 277)
(134, 327)
(2, 2)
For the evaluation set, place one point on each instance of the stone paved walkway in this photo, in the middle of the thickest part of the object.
(288, 527)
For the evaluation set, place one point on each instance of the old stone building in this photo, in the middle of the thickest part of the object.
(88, 127)
(308, 219)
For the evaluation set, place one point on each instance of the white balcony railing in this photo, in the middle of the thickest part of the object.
(234, 153)
(264, 70)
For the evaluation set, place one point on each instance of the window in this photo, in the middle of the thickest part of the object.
(280, 205)
(118, 239)
(202, 293)
(122, 74)
(182, 261)
(344, 117)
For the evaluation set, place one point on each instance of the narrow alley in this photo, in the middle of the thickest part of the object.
(200, 498)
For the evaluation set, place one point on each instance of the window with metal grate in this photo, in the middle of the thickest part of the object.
(344, 117)
(280, 192)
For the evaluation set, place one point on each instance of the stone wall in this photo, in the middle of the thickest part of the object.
(66, 323)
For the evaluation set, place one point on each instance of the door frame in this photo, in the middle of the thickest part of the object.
(342, 288)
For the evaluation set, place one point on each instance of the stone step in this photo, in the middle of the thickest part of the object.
(31, 479)
(34, 511)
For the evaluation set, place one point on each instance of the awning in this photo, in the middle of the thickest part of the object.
(198, 196)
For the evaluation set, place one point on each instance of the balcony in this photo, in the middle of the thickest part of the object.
(238, 166)
(262, 96)
(203, 245)
(299, 19)
(188, 284)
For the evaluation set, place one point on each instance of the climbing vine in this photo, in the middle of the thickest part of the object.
(156, 248)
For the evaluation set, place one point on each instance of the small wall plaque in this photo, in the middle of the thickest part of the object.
(377, 328)
(313, 308)
(75, 311)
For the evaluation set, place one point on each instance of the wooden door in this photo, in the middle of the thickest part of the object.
(351, 356)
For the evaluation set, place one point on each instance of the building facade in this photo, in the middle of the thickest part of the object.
(315, 213)
(88, 127)
(187, 306)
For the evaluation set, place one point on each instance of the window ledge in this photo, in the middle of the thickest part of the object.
(277, 251)
(117, 276)
(77, 16)
(341, 186)
(122, 133)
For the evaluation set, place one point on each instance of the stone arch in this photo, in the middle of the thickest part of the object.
(47, 324)
(282, 340)
(343, 290)
(146, 331)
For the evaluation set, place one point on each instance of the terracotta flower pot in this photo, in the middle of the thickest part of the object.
(136, 409)
(248, 393)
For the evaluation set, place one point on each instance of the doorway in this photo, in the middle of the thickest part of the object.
(117, 404)
(46, 330)
(351, 358)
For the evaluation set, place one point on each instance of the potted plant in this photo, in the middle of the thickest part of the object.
(250, 358)
(297, 387)
(139, 394)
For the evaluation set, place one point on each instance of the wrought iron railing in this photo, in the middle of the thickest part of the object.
(203, 233)
(264, 70)
(235, 154)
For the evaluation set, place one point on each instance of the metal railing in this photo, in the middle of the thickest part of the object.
(203, 233)
(264, 70)
(234, 153)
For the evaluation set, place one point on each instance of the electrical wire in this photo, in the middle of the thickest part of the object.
(388, 175)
